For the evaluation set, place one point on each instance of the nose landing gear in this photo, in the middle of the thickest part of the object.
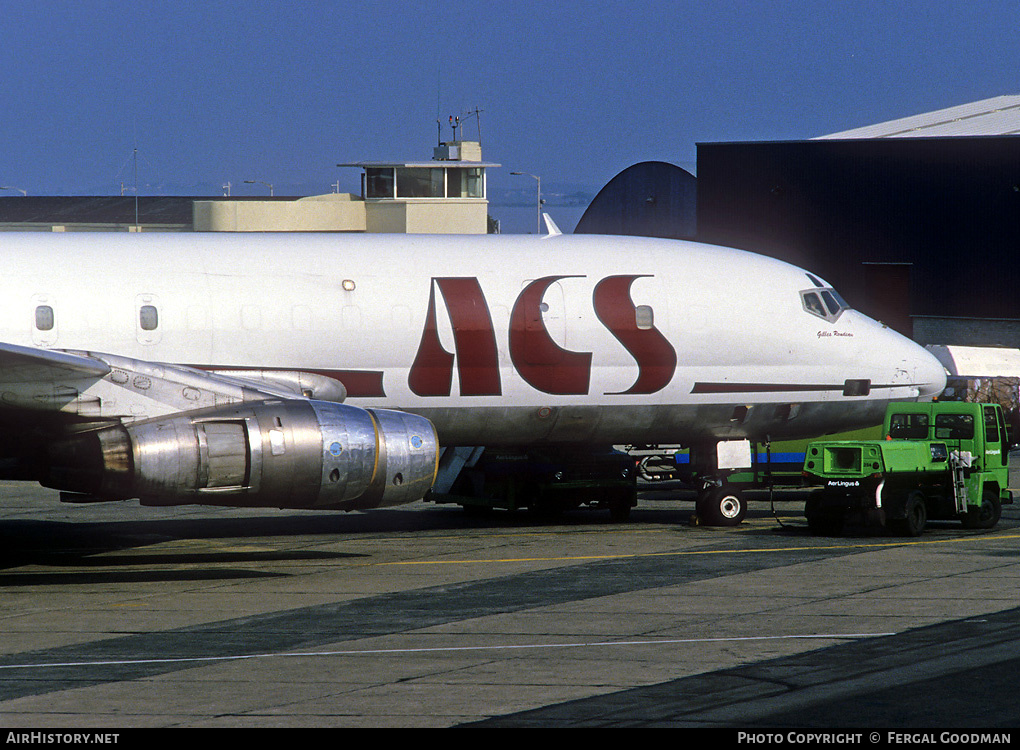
(721, 505)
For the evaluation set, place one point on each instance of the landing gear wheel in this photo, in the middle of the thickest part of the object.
(721, 506)
(985, 516)
(916, 517)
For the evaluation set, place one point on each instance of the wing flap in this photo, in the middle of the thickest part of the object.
(292, 383)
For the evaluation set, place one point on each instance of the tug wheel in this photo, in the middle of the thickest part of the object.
(822, 522)
(916, 517)
(986, 515)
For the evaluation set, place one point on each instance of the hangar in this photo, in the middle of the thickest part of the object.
(651, 199)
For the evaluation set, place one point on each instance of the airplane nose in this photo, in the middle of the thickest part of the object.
(915, 371)
(929, 374)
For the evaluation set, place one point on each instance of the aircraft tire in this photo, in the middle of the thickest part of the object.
(721, 506)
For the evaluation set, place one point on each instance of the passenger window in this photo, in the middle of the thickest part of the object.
(644, 317)
(44, 318)
(148, 318)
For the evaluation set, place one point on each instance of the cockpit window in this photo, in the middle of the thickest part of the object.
(824, 302)
(830, 302)
(812, 304)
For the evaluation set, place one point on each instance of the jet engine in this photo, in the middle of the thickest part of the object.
(279, 453)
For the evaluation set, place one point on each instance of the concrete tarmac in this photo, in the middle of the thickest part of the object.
(115, 615)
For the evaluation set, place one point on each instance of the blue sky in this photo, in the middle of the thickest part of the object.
(282, 91)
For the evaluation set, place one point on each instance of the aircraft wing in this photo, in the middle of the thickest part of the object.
(26, 364)
(97, 386)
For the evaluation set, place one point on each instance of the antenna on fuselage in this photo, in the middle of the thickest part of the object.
(550, 226)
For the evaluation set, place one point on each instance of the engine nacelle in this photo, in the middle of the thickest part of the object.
(285, 454)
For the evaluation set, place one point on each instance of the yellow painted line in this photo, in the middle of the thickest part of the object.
(479, 534)
(871, 545)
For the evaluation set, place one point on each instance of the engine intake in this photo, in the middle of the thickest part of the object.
(285, 454)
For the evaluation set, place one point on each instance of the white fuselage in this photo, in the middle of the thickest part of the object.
(498, 340)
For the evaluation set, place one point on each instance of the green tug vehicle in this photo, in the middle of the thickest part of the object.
(939, 460)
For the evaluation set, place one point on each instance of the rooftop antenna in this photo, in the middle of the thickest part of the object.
(134, 159)
(135, 156)
(439, 91)
(476, 113)
(136, 187)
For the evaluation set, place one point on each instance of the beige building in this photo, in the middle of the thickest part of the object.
(444, 196)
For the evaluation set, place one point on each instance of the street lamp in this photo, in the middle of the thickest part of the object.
(538, 200)
(8, 187)
(267, 184)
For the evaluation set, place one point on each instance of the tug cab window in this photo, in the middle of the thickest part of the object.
(911, 426)
(954, 427)
(991, 426)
